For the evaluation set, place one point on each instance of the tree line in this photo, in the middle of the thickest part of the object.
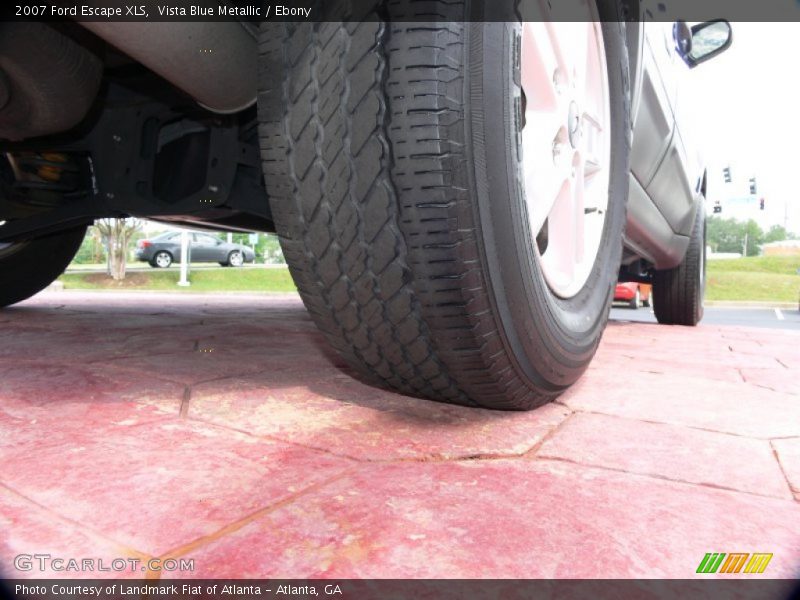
(112, 241)
(729, 235)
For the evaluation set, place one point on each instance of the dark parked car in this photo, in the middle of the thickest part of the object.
(162, 250)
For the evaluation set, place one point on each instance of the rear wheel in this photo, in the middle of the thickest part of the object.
(678, 293)
(27, 267)
(455, 232)
(636, 301)
(161, 260)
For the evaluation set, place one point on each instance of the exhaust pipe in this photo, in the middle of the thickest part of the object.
(216, 63)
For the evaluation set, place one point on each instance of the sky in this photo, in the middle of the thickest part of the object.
(748, 103)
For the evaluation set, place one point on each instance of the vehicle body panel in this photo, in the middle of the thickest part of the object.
(666, 178)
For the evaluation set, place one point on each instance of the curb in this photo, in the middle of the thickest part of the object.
(58, 286)
(176, 292)
(749, 304)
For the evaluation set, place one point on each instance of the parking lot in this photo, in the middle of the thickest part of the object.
(221, 429)
(785, 318)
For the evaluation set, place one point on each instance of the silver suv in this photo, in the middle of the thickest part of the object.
(455, 199)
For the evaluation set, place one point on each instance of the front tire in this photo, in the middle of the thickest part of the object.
(28, 267)
(679, 292)
(397, 184)
(235, 259)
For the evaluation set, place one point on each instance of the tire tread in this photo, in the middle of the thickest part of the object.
(678, 292)
(362, 138)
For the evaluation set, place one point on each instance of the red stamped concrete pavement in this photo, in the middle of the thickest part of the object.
(221, 429)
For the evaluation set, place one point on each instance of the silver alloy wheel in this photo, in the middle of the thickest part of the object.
(163, 260)
(566, 146)
(236, 259)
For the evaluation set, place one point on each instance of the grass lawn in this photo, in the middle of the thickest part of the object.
(759, 278)
(205, 280)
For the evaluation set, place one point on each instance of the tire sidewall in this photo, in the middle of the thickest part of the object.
(701, 239)
(28, 267)
(532, 316)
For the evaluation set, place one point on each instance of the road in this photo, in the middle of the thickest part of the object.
(772, 318)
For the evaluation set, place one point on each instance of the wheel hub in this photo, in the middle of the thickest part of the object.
(573, 124)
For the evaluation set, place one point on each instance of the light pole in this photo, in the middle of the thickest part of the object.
(185, 257)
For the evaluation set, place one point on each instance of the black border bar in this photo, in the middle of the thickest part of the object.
(399, 10)
(716, 588)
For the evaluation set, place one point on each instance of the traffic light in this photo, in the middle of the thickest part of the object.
(753, 186)
(727, 173)
(761, 204)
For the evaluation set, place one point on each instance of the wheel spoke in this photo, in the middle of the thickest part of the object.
(538, 67)
(558, 259)
(578, 209)
(569, 41)
(582, 57)
(590, 146)
(545, 165)
(594, 112)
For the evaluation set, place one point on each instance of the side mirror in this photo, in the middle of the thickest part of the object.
(707, 40)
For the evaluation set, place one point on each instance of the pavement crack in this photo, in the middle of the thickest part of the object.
(78, 525)
(250, 518)
(533, 450)
(766, 387)
(684, 425)
(795, 493)
(187, 398)
(693, 484)
(272, 438)
(438, 458)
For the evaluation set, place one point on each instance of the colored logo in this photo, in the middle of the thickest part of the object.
(735, 562)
